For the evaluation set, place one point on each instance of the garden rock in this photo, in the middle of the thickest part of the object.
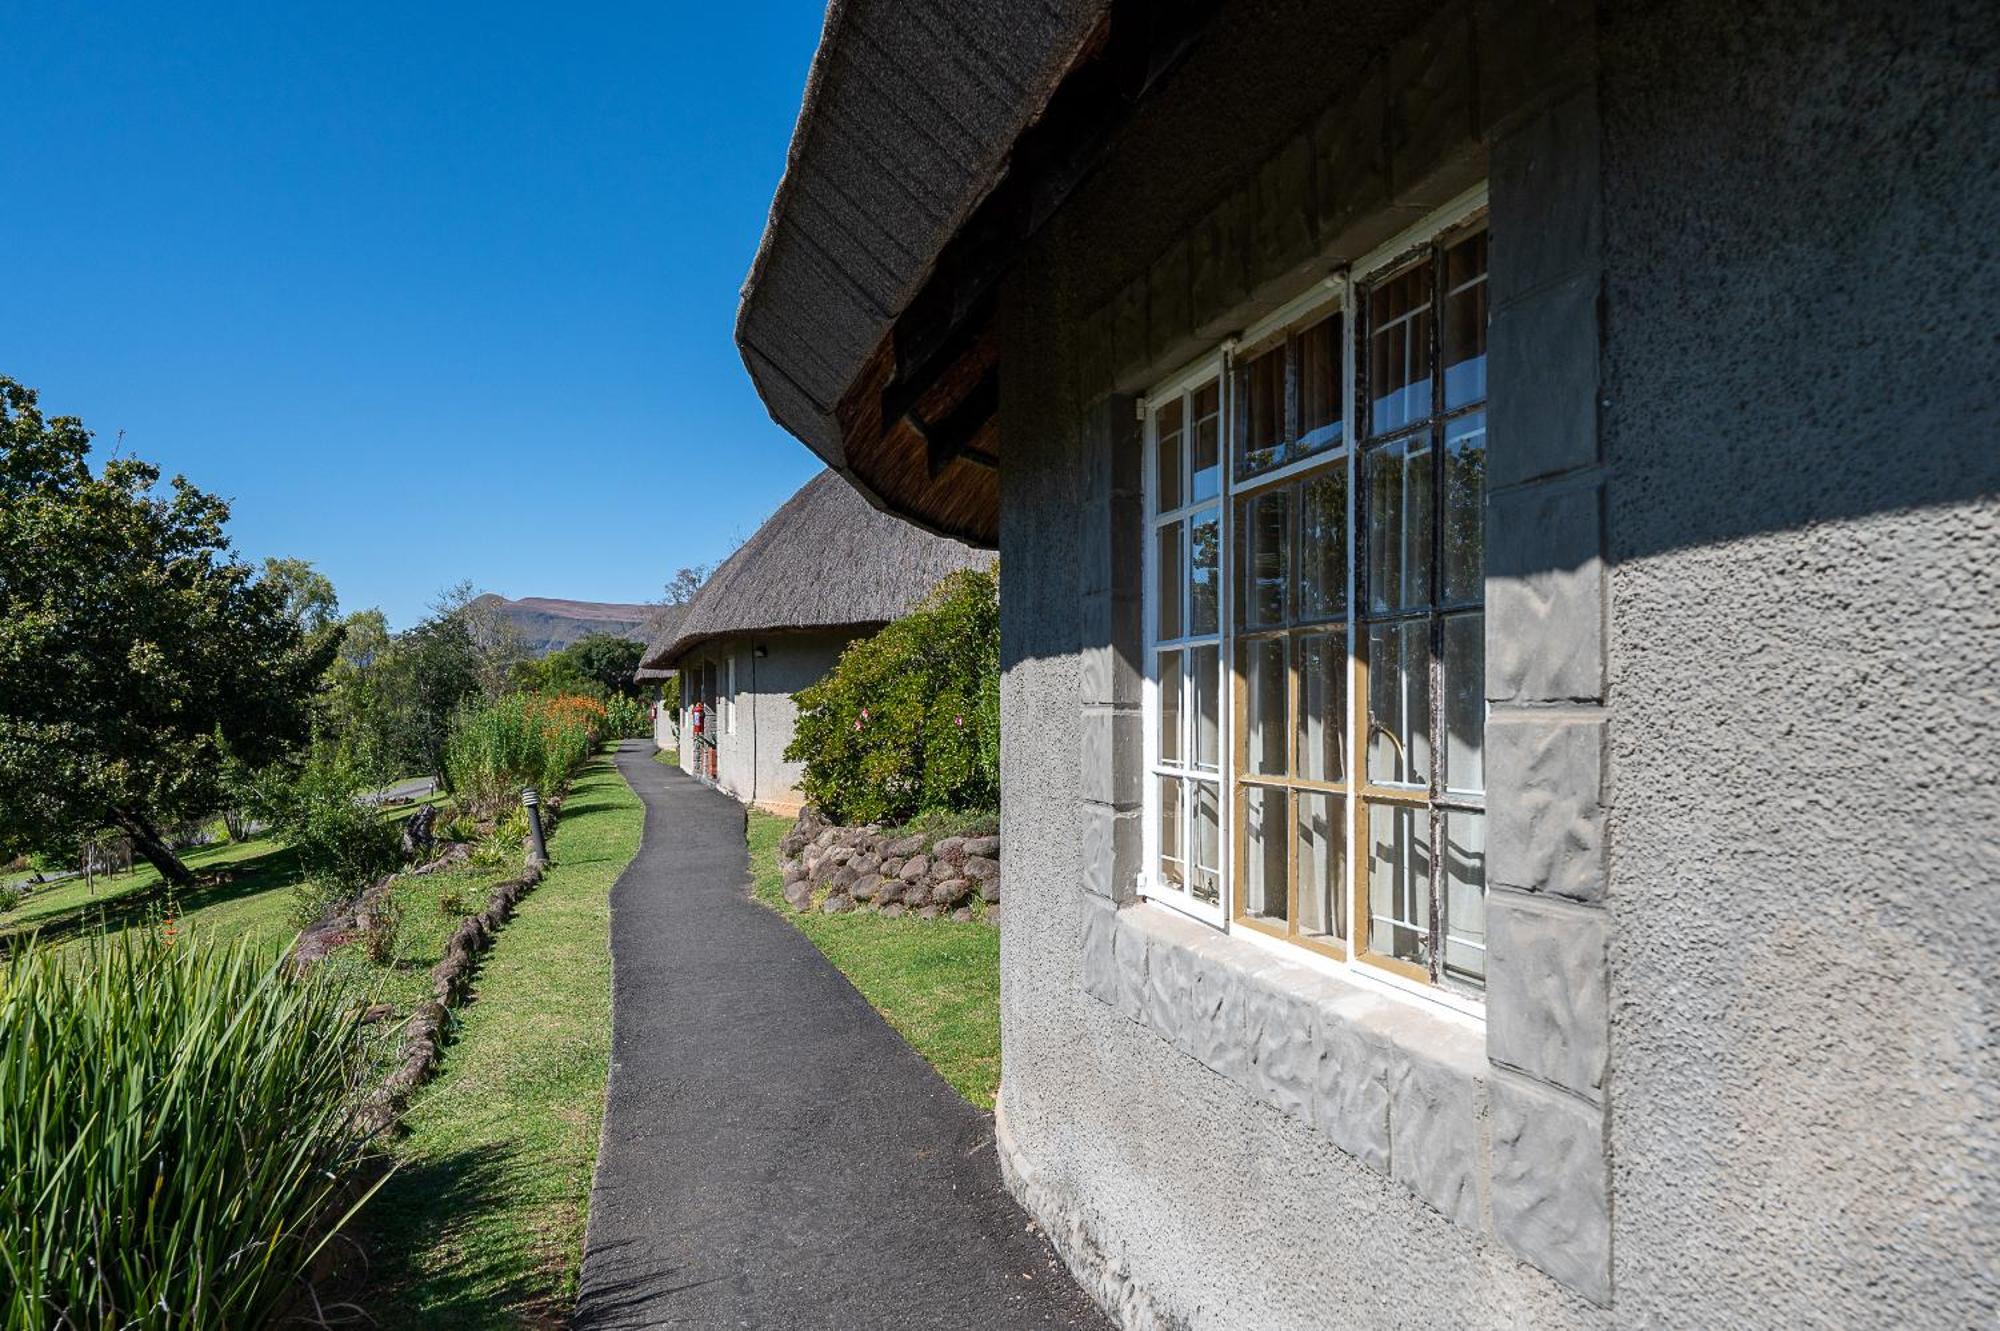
(987, 846)
(906, 846)
(839, 880)
(915, 869)
(989, 891)
(892, 866)
(837, 904)
(419, 834)
(892, 911)
(864, 889)
(963, 915)
(951, 891)
(930, 912)
(865, 865)
(951, 850)
(799, 894)
(983, 871)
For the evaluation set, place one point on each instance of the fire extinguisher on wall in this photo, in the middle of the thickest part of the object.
(698, 717)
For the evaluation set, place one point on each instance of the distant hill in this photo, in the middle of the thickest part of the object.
(548, 625)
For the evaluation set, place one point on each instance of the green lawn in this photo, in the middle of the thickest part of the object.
(936, 981)
(246, 888)
(482, 1225)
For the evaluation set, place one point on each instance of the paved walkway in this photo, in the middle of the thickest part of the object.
(774, 1155)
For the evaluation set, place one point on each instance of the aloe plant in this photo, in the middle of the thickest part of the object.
(174, 1139)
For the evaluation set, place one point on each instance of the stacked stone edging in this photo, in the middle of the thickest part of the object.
(424, 1033)
(861, 868)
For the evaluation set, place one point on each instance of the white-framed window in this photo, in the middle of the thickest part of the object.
(1315, 701)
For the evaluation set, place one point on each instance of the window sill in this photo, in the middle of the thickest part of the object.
(1399, 1085)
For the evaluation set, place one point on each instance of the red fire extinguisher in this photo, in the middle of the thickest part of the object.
(698, 716)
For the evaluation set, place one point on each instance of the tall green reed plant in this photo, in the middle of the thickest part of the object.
(522, 739)
(175, 1148)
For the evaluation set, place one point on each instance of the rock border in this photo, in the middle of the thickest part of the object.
(838, 869)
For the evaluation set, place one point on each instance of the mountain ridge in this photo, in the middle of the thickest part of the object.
(548, 624)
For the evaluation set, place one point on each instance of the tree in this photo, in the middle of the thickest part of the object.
(309, 599)
(495, 639)
(436, 667)
(136, 650)
(680, 588)
(608, 660)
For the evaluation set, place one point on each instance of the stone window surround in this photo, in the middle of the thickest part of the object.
(1514, 1135)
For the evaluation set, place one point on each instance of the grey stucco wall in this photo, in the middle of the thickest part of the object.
(751, 763)
(1795, 502)
(1804, 456)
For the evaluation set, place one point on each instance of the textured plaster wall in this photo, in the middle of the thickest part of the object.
(750, 764)
(1800, 374)
(1179, 1197)
(1798, 474)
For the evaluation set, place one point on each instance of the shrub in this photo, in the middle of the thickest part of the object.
(174, 1141)
(908, 721)
(452, 905)
(522, 739)
(343, 843)
(626, 718)
(382, 927)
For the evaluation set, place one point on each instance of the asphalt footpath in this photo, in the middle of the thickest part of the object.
(774, 1154)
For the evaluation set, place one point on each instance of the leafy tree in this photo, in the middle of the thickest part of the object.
(309, 599)
(496, 641)
(435, 668)
(135, 649)
(680, 588)
(908, 721)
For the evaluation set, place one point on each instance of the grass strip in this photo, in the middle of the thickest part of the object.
(936, 981)
(483, 1224)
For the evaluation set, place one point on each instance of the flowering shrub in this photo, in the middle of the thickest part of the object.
(522, 739)
(908, 721)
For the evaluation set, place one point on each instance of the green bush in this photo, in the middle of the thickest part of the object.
(626, 718)
(522, 739)
(908, 721)
(343, 843)
(174, 1139)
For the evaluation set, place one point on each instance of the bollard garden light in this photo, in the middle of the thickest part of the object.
(538, 848)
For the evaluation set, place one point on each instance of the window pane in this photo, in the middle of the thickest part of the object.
(1319, 387)
(1265, 704)
(1465, 897)
(1263, 385)
(1205, 873)
(1173, 581)
(1322, 875)
(1464, 541)
(1465, 701)
(1399, 524)
(1399, 882)
(1206, 482)
(1264, 851)
(1170, 707)
(1323, 546)
(1464, 333)
(1172, 853)
(1205, 570)
(1322, 707)
(1399, 704)
(1399, 350)
(1207, 687)
(1266, 522)
(1167, 428)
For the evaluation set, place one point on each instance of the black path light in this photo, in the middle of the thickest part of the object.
(538, 849)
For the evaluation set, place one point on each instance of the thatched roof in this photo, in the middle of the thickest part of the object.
(826, 559)
(663, 626)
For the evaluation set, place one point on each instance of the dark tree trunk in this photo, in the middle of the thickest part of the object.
(148, 844)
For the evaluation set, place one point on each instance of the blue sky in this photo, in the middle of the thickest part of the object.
(430, 291)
